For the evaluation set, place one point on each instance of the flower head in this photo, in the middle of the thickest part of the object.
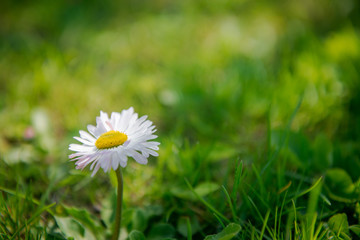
(113, 140)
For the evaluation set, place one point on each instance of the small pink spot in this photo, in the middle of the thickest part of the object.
(109, 124)
(29, 133)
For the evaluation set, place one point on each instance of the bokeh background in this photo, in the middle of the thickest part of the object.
(217, 78)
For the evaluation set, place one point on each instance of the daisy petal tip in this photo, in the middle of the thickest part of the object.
(155, 154)
(123, 164)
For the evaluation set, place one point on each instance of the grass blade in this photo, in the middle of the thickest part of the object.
(259, 180)
(208, 205)
(36, 214)
(233, 212)
(284, 137)
(219, 220)
(237, 180)
(189, 231)
(309, 189)
(264, 224)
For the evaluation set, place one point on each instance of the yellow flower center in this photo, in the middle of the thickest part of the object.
(110, 139)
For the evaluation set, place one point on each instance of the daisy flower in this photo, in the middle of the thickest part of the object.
(113, 140)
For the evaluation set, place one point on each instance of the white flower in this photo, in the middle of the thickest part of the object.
(113, 140)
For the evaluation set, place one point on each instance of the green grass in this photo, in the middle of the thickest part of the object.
(257, 108)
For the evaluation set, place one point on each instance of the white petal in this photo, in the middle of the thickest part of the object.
(144, 138)
(125, 144)
(105, 159)
(97, 167)
(73, 155)
(147, 124)
(92, 130)
(104, 116)
(141, 120)
(146, 151)
(83, 163)
(100, 127)
(93, 164)
(138, 157)
(115, 117)
(123, 159)
(87, 136)
(151, 152)
(80, 148)
(84, 141)
(154, 148)
(133, 119)
(114, 161)
(123, 164)
(136, 126)
(151, 145)
(125, 119)
(108, 164)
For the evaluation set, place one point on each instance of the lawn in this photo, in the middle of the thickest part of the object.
(256, 106)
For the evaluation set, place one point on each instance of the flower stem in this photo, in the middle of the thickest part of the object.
(118, 204)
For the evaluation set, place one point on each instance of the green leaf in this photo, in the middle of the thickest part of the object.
(72, 228)
(355, 229)
(54, 236)
(136, 235)
(161, 231)
(202, 190)
(139, 220)
(153, 210)
(339, 223)
(84, 218)
(182, 193)
(228, 233)
(222, 151)
(206, 188)
(183, 225)
(340, 186)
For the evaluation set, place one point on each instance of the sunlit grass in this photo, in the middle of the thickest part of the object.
(256, 105)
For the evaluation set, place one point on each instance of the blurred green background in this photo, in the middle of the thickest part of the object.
(221, 80)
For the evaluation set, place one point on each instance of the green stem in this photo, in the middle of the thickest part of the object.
(118, 204)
